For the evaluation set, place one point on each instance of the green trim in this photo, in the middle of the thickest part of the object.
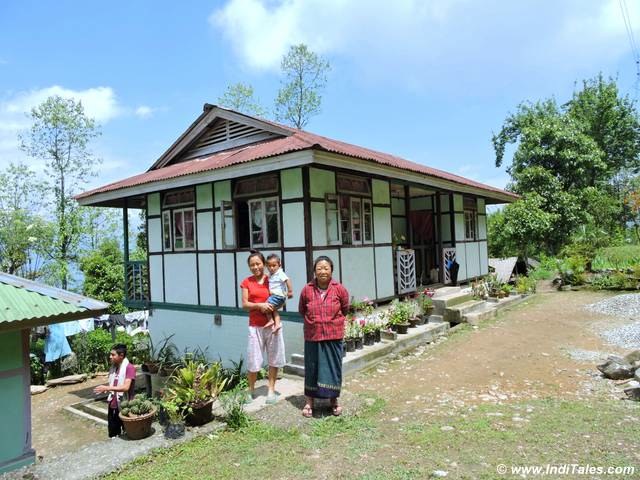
(184, 307)
(28, 458)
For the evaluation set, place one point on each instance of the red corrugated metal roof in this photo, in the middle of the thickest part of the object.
(298, 141)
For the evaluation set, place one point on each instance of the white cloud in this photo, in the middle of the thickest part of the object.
(100, 103)
(420, 43)
(144, 111)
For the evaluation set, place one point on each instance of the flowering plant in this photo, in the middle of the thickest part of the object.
(424, 300)
(365, 306)
(353, 328)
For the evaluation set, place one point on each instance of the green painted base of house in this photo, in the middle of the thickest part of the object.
(15, 463)
(182, 307)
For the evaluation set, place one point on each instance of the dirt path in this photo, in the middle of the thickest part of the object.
(56, 431)
(526, 353)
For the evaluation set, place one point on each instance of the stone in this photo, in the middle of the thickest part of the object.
(439, 473)
(616, 370)
(632, 357)
(633, 390)
(68, 380)
(637, 375)
(37, 389)
(446, 428)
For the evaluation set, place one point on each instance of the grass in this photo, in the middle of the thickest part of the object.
(368, 447)
(626, 256)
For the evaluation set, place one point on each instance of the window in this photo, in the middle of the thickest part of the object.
(183, 229)
(355, 219)
(264, 222)
(179, 197)
(228, 237)
(333, 219)
(166, 229)
(469, 224)
(267, 184)
(367, 219)
(351, 184)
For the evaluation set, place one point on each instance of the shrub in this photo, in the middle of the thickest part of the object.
(616, 258)
(525, 285)
(572, 270)
(92, 349)
(547, 268)
(233, 405)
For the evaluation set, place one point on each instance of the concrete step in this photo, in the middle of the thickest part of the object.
(297, 359)
(292, 369)
(435, 319)
(445, 291)
(456, 313)
(440, 304)
(492, 308)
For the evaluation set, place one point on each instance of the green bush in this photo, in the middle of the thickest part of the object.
(572, 270)
(617, 258)
(525, 284)
(547, 268)
(233, 403)
(92, 349)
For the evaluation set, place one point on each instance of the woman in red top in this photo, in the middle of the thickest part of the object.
(324, 303)
(262, 340)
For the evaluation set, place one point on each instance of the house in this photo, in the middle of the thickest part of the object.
(26, 304)
(232, 182)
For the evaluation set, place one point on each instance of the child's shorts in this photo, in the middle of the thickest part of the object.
(276, 300)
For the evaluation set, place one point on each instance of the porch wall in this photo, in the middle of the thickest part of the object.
(472, 256)
(227, 341)
(15, 401)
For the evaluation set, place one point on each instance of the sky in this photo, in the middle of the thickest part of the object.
(425, 80)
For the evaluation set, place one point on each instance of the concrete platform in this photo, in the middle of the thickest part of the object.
(369, 356)
(492, 308)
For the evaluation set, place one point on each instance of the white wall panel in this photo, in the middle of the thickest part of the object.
(321, 182)
(384, 272)
(291, 183)
(357, 272)
(227, 288)
(380, 191)
(207, 278)
(473, 260)
(318, 224)
(445, 227)
(181, 281)
(155, 278)
(484, 258)
(382, 224)
(155, 234)
(204, 224)
(482, 226)
(296, 269)
(153, 204)
(461, 258)
(203, 196)
(293, 224)
(459, 219)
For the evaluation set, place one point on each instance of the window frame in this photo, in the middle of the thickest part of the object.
(349, 220)
(167, 229)
(182, 211)
(263, 205)
(470, 216)
(227, 206)
(330, 198)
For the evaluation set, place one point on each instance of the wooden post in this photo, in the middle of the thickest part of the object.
(125, 248)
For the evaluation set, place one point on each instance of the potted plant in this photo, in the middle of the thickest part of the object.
(369, 331)
(194, 387)
(349, 334)
(160, 363)
(399, 316)
(507, 289)
(137, 416)
(425, 303)
(174, 424)
(358, 333)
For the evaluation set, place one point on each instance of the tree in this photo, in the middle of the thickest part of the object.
(577, 157)
(300, 96)
(24, 233)
(240, 97)
(103, 270)
(60, 136)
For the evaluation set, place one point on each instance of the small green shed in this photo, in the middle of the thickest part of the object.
(25, 304)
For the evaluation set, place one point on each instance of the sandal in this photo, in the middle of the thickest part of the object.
(307, 411)
(336, 409)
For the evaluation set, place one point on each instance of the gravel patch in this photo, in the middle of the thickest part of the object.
(626, 336)
(590, 356)
(626, 305)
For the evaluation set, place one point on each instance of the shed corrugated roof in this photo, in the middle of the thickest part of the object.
(298, 140)
(25, 304)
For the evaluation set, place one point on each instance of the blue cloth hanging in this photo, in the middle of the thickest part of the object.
(56, 344)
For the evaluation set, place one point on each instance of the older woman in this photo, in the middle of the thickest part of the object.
(262, 340)
(323, 304)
